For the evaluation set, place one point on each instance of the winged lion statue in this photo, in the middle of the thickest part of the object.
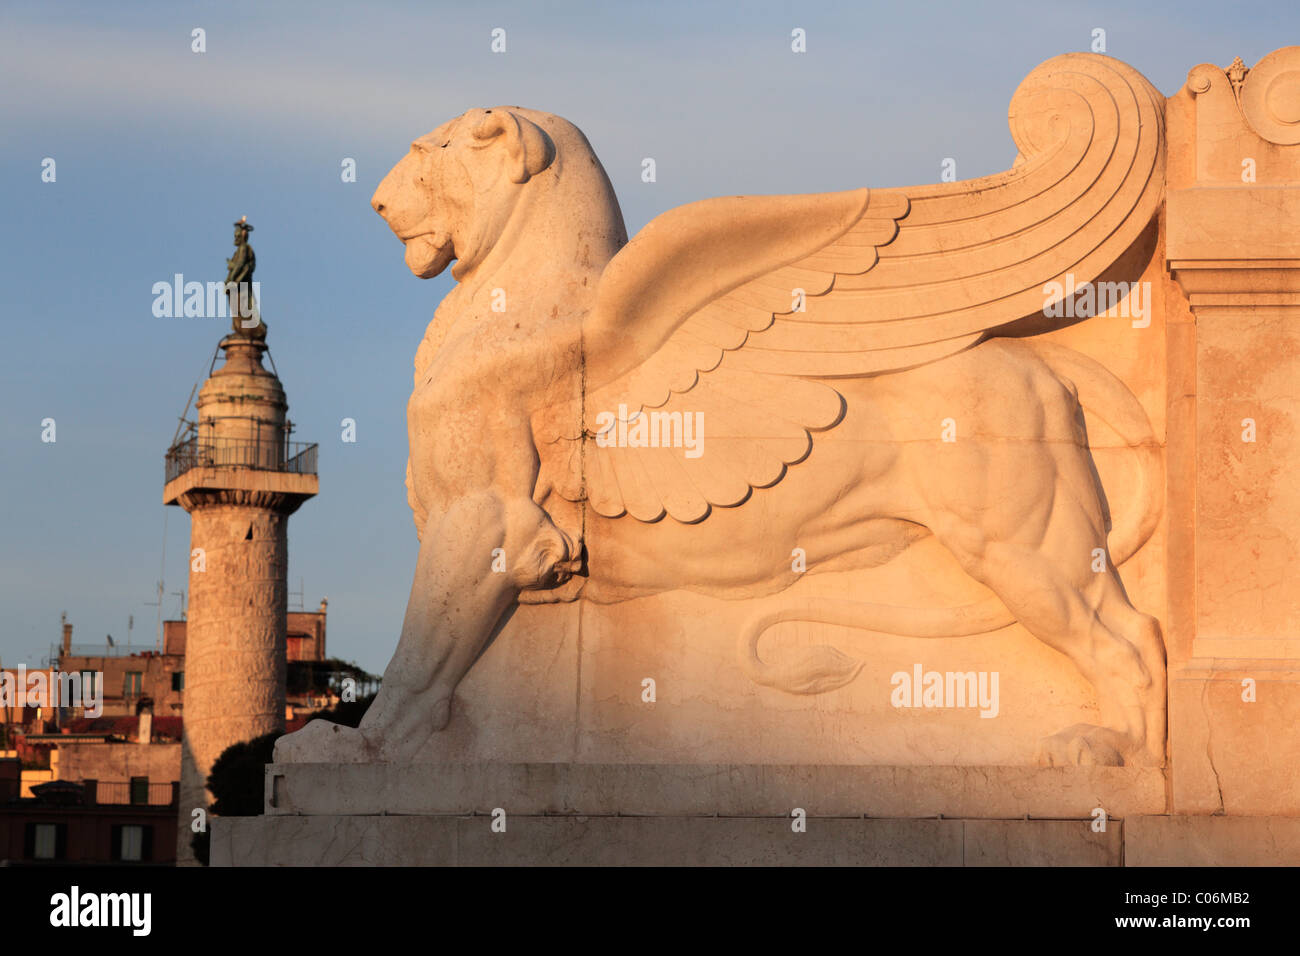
(604, 419)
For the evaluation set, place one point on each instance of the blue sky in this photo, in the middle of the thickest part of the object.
(158, 149)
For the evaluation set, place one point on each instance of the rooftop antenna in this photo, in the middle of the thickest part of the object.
(181, 595)
(297, 594)
(56, 651)
(158, 604)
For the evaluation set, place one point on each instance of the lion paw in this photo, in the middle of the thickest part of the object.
(1083, 745)
(323, 742)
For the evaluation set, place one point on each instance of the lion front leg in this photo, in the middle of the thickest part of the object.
(474, 561)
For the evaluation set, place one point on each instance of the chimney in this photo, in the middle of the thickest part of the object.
(145, 734)
(67, 636)
(323, 603)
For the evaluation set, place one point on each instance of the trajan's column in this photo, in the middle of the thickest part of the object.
(240, 478)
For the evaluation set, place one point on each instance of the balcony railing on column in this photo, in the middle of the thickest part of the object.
(296, 457)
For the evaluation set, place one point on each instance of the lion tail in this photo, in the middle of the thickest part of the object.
(822, 668)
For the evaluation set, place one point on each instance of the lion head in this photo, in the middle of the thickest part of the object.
(454, 194)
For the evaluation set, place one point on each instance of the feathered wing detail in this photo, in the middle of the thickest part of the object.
(738, 313)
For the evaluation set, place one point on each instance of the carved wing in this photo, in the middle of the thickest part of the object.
(744, 310)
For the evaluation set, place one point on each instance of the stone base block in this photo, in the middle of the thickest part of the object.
(656, 841)
(573, 840)
(711, 789)
(1212, 841)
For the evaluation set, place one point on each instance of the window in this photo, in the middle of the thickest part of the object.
(88, 685)
(139, 790)
(132, 684)
(132, 845)
(178, 680)
(47, 841)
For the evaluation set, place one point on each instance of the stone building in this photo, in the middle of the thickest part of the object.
(130, 755)
(128, 677)
(62, 822)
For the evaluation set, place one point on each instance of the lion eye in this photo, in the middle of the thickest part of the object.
(446, 144)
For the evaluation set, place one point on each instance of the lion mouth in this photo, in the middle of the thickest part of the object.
(427, 254)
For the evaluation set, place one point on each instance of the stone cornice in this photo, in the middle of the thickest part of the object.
(222, 485)
(1232, 237)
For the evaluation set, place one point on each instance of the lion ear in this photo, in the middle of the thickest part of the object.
(528, 149)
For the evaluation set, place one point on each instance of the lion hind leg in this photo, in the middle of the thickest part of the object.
(1064, 590)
